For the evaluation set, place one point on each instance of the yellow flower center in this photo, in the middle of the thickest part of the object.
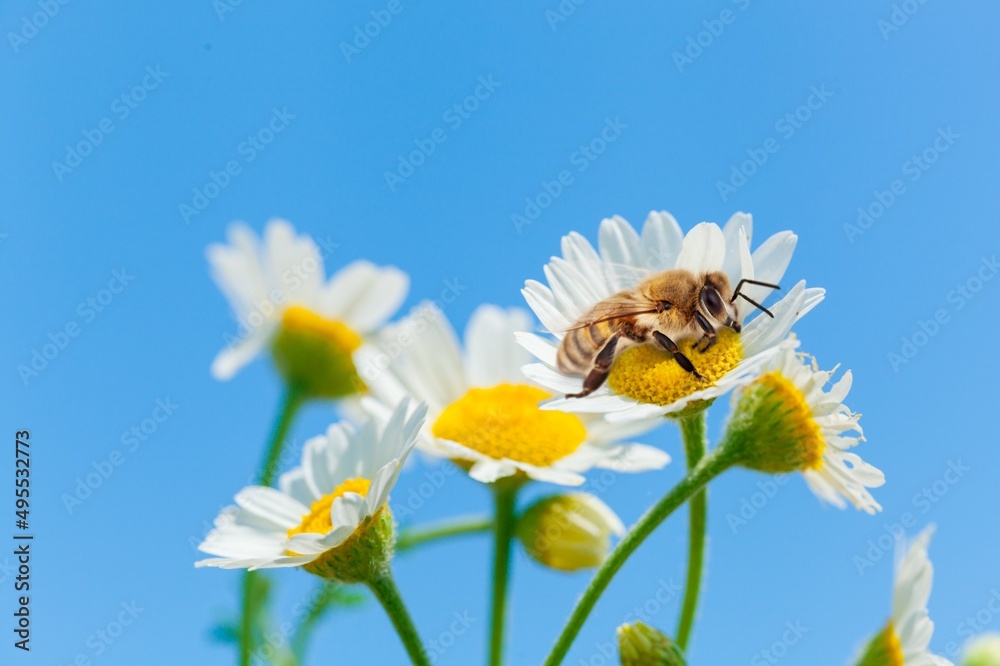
(505, 422)
(648, 374)
(303, 320)
(317, 521)
(797, 420)
(316, 354)
(884, 649)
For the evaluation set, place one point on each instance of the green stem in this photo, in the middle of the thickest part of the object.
(504, 496)
(416, 536)
(706, 470)
(290, 403)
(693, 432)
(385, 590)
(246, 618)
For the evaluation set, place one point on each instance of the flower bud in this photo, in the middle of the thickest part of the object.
(315, 354)
(641, 645)
(984, 650)
(569, 532)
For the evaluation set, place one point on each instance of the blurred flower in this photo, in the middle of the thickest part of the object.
(641, 645)
(904, 640)
(330, 515)
(276, 289)
(983, 650)
(784, 422)
(569, 532)
(482, 412)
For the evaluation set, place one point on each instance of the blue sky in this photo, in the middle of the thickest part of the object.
(134, 134)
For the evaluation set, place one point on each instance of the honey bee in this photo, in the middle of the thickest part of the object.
(662, 309)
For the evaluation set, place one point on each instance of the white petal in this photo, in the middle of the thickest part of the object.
(704, 249)
(272, 505)
(492, 354)
(305, 543)
(662, 239)
(231, 360)
(237, 271)
(544, 350)
(635, 458)
(294, 266)
(348, 510)
(488, 470)
(294, 484)
(364, 295)
(619, 244)
(739, 224)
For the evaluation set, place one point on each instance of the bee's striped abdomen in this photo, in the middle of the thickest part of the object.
(580, 346)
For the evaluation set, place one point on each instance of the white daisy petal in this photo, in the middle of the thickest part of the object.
(538, 346)
(704, 249)
(231, 360)
(662, 239)
(271, 505)
(619, 243)
(492, 354)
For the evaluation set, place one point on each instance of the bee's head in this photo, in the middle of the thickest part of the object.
(714, 301)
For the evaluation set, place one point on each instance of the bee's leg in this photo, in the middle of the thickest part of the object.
(681, 359)
(602, 366)
(709, 338)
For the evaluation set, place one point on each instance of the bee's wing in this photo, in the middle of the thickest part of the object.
(614, 275)
(620, 305)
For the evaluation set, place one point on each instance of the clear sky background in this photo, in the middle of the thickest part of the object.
(881, 96)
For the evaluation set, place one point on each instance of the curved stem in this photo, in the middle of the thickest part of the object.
(706, 470)
(385, 590)
(290, 403)
(421, 534)
(693, 432)
(503, 532)
(246, 618)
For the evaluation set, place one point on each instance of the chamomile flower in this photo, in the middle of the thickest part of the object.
(645, 381)
(905, 639)
(329, 516)
(786, 421)
(482, 411)
(278, 292)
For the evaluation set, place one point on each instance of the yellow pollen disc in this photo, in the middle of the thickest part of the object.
(298, 318)
(648, 374)
(317, 521)
(505, 422)
(798, 420)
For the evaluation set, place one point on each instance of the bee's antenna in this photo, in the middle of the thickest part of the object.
(738, 293)
(757, 305)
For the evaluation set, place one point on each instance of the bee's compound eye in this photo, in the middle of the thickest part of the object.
(713, 302)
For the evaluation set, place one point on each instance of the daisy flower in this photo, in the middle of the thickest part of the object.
(786, 421)
(275, 286)
(645, 381)
(482, 411)
(324, 513)
(905, 639)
